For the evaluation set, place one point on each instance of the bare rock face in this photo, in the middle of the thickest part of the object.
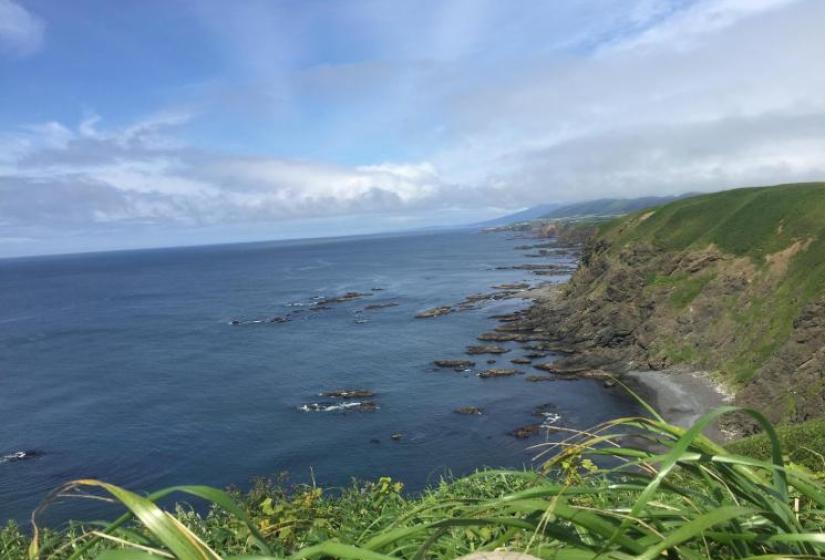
(801, 358)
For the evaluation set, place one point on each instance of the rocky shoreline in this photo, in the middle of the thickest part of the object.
(681, 395)
(546, 349)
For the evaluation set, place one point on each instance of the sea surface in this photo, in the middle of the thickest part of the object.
(126, 366)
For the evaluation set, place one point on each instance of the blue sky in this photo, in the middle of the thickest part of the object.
(131, 124)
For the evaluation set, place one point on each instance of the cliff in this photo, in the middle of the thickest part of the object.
(731, 282)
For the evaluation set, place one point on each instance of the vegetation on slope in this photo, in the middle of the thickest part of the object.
(608, 207)
(732, 282)
(803, 444)
(683, 498)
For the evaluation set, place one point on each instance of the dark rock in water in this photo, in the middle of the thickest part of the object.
(497, 373)
(517, 286)
(498, 336)
(520, 361)
(377, 289)
(374, 306)
(234, 322)
(396, 436)
(539, 378)
(548, 413)
(525, 432)
(487, 349)
(20, 456)
(454, 364)
(375, 440)
(434, 312)
(348, 394)
(468, 410)
(506, 318)
(325, 302)
(491, 361)
(279, 319)
(535, 355)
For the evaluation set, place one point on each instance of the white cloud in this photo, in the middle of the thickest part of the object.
(686, 28)
(21, 32)
(140, 173)
(493, 106)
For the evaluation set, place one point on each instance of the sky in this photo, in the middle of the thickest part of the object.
(172, 122)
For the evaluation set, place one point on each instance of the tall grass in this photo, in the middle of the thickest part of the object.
(629, 488)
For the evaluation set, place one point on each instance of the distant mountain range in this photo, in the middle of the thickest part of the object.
(532, 213)
(598, 207)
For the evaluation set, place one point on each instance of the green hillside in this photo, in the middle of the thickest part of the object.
(608, 206)
(753, 221)
(731, 282)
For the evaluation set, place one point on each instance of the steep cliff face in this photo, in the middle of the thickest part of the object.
(732, 282)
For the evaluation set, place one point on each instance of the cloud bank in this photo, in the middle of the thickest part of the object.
(487, 112)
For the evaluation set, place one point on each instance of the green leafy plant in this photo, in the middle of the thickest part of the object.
(629, 488)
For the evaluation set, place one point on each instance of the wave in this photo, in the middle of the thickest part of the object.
(19, 456)
(363, 406)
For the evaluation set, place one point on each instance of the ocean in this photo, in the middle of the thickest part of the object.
(127, 367)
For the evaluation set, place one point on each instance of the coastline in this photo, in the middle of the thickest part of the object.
(681, 395)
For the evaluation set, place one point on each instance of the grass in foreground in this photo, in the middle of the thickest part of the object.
(685, 497)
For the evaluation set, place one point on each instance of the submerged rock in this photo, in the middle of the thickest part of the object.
(374, 306)
(506, 318)
(468, 410)
(434, 312)
(454, 364)
(487, 349)
(515, 286)
(343, 298)
(20, 456)
(548, 413)
(348, 394)
(520, 361)
(525, 432)
(539, 378)
(548, 367)
(497, 372)
(365, 406)
(498, 336)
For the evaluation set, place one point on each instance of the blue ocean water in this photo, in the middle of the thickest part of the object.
(124, 366)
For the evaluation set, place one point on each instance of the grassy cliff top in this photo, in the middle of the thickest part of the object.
(754, 221)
